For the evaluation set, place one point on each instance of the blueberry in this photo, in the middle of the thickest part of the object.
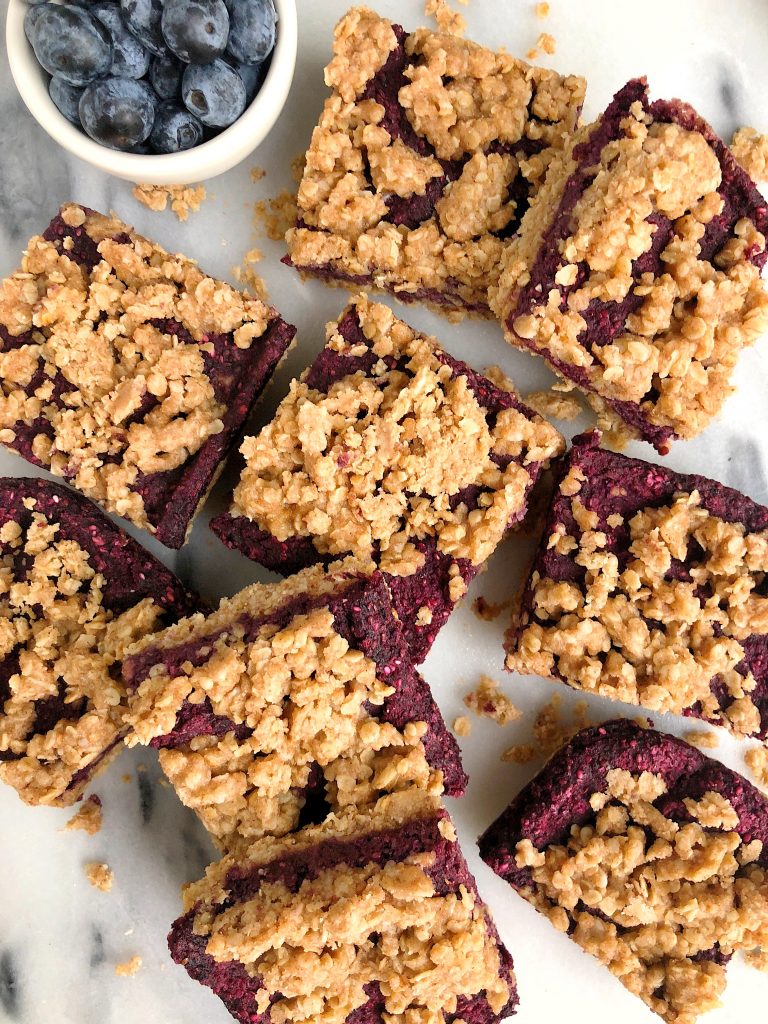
(215, 92)
(30, 18)
(253, 26)
(174, 129)
(252, 76)
(118, 112)
(143, 19)
(70, 42)
(196, 30)
(165, 75)
(129, 58)
(66, 97)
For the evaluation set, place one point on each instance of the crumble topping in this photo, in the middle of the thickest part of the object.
(389, 926)
(277, 215)
(488, 701)
(645, 634)
(134, 400)
(462, 726)
(750, 148)
(373, 464)
(676, 353)
(129, 967)
(307, 699)
(183, 198)
(702, 738)
(463, 102)
(651, 897)
(53, 619)
(447, 19)
(100, 876)
(245, 274)
(757, 761)
(88, 818)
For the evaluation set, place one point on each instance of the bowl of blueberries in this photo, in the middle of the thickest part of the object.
(160, 91)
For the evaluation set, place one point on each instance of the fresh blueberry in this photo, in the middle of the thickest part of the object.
(165, 75)
(118, 112)
(66, 97)
(214, 92)
(143, 19)
(253, 26)
(174, 129)
(70, 42)
(129, 58)
(196, 30)
(252, 76)
(33, 13)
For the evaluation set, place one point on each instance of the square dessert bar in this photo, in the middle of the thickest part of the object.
(289, 702)
(127, 371)
(650, 855)
(636, 271)
(363, 919)
(649, 587)
(75, 593)
(423, 162)
(390, 450)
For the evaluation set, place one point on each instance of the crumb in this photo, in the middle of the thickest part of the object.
(127, 778)
(245, 275)
(546, 42)
(298, 165)
(462, 726)
(532, 54)
(488, 701)
(542, 10)
(141, 768)
(548, 727)
(486, 611)
(757, 958)
(184, 198)
(87, 818)
(521, 753)
(701, 738)
(128, 967)
(751, 150)
(276, 216)
(100, 876)
(257, 173)
(447, 19)
(554, 404)
(757, 761)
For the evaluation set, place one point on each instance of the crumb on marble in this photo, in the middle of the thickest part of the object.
(757, 761)
(546, 42)
(542, 10)
(88, 817)
(129, 967)
(487, 611)
(447, 19)
(519, 753)
(757, 958)
(185, 199)
(99, 875)
(277, 215)
(701, 738)
(257, 173)
(462, 725)
(245, 275)
(750, 148)
(298, 166)
(488, 701)
(554, 404)
(127, 778)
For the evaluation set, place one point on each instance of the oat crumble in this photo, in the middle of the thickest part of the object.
(129, 967)
(462, 726)
(275, 217)
(750, 148)
(447, 19)
(412, 188)
(554, 404)
(183, 198)
(519, 753)
(487, 700)
(702, 738)
(756, 760)
(88, 818)
(100, 876)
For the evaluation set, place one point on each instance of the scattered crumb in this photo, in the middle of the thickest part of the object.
(447, 19)
(246, 275)
(127, 777)
(757, 958)
(99, 875)
(141, 768)
(751, 150)
(542, 10)
(257, 173)
(276, 215)
(298, 165)
(483, 609)
(87, 818)
(548, 727)
(129, 967)
(521, 753)
(546, 42)
(164, 782)
(554, 404)
(757, 761)
(532, 54)
(488, 701)
(462, 726)
(701, 738)
(184, 198)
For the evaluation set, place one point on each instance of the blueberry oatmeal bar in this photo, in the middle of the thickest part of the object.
(636, 270)
(650, 855)
(127, 371)
(77, 592)
(649, 587)
(389, 449)
(363, 919)
(423, 162)
(289, 702)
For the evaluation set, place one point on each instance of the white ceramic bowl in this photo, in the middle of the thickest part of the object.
(197, 164)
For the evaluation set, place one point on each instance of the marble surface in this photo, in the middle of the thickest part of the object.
(59, 938)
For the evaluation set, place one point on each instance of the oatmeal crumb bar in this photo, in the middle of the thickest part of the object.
(75, 593)
(649, 587)
(650, 855)
(636, 271)
(365, 918)
(390, 450)
(127, 371)
(290, 702)
(423, 162)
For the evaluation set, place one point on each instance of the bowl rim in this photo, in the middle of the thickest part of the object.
(200, 162)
